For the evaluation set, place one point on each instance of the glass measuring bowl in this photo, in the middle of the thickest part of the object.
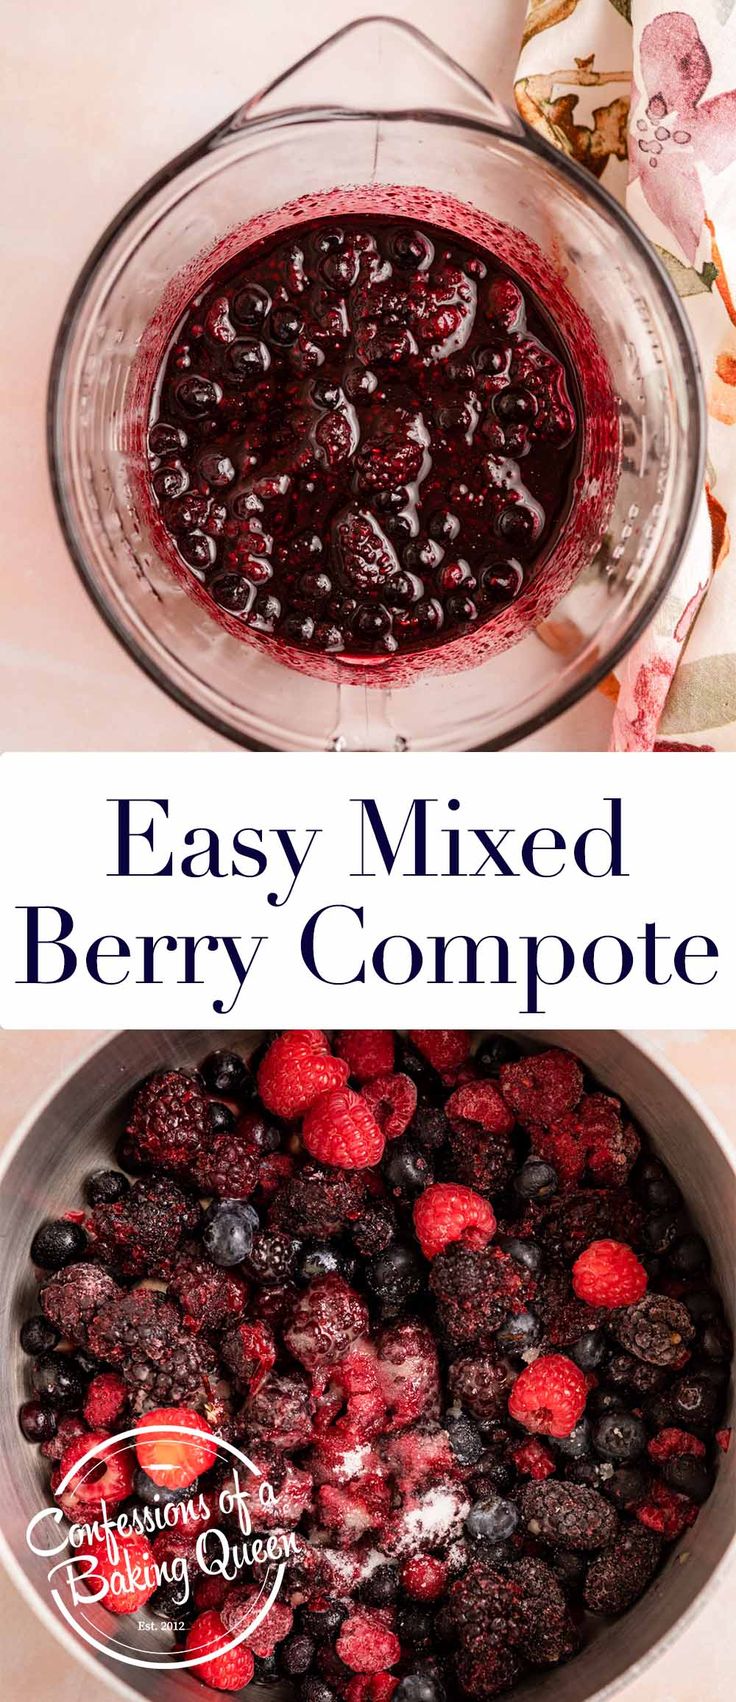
(419, 128)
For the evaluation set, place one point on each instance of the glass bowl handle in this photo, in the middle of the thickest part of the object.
(375, 65)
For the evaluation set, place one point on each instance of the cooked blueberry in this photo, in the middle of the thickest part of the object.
(250, 305)
(228, 1231)
(58, 1242)
(284, 326)
(247, 360)
(197, 396)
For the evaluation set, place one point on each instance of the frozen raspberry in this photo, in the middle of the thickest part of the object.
(341, 1130)
(280, 1410)
(319, 1203)
(209, 1296)
(366, 1642)
(105, 1400)
(170, 1122)
(368, 1052)
(249, 1352)
(672, 1443)
(69, 1427)
(73, 1296)
(560, 1147)
(228, 1167)
(171, 1458)
(240, 1609)
(139, 1234)
(475, 1290)
(542, 1087)
(292, 1489)
(608, 1274)
(339, 1459)
(612, 1145)
(230, 1671)
(616, 1578)
(549, 1396)
(367, 1687)
(657, 1329)
(409, 1373)
(445, 1048)
(107, 1477)
(723, 1438)
(567, 1515)
(354, 1401)
(162, 1363)
(592, 1214)
(424, 1577)
(393, 1101)
(533, 1460)
(130, 1578)
(348, 1512)
(479, 1104)
(297, 1068)
(323, 1322)
(666, 1512)
(479, 1162)
(482, 1383)
(420, 1455)
(447, 1212)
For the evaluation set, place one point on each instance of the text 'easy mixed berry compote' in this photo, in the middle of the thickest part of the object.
(451, 1306)
(364, 438)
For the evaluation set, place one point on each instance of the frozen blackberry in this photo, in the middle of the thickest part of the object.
(58, 1242)
(430, 1127)
(466, 1441)
(546, 1631)
(375, 1229)
(475, 1290)
(227, 1167)
(71, 1299)
(567, 1515)
(280, 1411)
(162, 1362)
(317, 1204)
(138, 1235)
(209, 1297)
(105, 1186)
(485, 1163)
(273, 1257)
(616, 1578)
(170, 1122)
(657, 1329)
(225, 1073)
(483, 1384)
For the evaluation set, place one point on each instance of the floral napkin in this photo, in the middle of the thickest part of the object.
(645, 97)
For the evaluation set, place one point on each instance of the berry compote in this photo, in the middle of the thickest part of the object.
(364, 438)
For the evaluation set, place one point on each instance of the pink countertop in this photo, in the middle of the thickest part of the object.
(699, 1667)
(98, 97)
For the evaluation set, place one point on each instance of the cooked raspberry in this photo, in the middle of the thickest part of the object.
(482, 1383)
(249, 1352)
(608, 1274)
(298, 1068)
(445, 1048)
(162, 1363)
(368, 1052)
(73, 1296)
(230, 1671)
(479, 1104)
(671, 1443)
(475, 1290)
(172, 1458)
(549, 1395)
(393, 1101)
(139, 1234)
(239, 1610)
(542, 1087)
(366, 1642)
(546, 1631)
(567, 1515)
(533, 1460)
(409, 1374)
(340, 1129)
(424, 1577)
(280, 1411)
(420, 1456)
(208, 1295)
(130, 1578)
(348, 1512)
(324, 1321)
(170, 1122)
(656, 1329)
(69, 1427)
(319, 1203)
(228, 1167)
(107, 1477)
(616, 1578)
(447, 1212)
(666, 1512)
(105, 1399)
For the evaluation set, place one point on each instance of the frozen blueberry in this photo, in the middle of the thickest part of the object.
(228, 1231)
(322, 1618)
(324, 1260)
(38, 1422)
(38, 1335)
(419, 1687)
(104, 1187)
(396, 1275)
(688, 1255)
(224, 1073)
(381, 1587)
(576, 1446)
(494, 1050)
(590, 1350)
(528, 1254)
(493, 1520)
(295, 1654)
(690, 1476)
(536, 1180)
(58, 1242)
(165, 1604)
(157, 1495)
(221, 1118)
(625, 1487)
(520, 1331)
(619, 1436)
(406, 1168)
(57, 1380)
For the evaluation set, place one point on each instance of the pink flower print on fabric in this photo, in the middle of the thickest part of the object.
(674, 132)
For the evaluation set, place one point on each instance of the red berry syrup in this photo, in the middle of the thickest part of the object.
(364, 437)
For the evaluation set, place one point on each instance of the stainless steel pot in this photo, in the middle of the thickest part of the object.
(73, 1130)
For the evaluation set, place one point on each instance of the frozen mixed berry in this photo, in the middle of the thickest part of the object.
(318, 1202)
(227, 1231)
(105, 1400)
(324, 1321)
(447, 1212)
(71, 1299)
(567, 1515)
(446, 1049)
(38, 1335)
(542, 1087)
(617, 1578)
(657, 1329)
(103, 1187)
(609, 1274)
(170, 1122)
(364, 435)
(162, 1362)
(228, 1166)
(475, 1289)
(226, 1074)
(223, 1671)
